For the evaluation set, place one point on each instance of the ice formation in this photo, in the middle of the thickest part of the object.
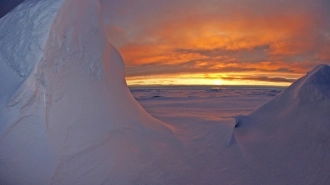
(287, 140)
(66, 114)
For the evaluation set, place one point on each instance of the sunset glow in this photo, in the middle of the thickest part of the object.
(220, 42)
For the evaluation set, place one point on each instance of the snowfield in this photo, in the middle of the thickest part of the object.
(172, 104)
(67, 116)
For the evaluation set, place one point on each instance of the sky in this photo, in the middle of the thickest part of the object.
(216, 42)
(7, 5)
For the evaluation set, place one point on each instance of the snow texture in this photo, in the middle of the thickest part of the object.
(67, 116)
(200, 103)
(287, 140)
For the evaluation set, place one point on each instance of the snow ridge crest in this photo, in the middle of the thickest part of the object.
(315, 86)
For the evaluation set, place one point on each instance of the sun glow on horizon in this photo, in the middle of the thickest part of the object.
(217, 82)
(211, 79)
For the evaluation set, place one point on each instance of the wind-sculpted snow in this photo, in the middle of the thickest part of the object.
(66, 114)
(19, 44)
(288, 139)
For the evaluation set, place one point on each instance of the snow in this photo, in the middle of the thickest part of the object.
(200, 103)
(68, 117)
(288, 138)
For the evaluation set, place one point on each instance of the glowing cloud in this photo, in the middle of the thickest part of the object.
(262, 42)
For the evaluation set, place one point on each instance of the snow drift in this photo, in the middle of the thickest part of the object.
(287, 140)
(66, 114)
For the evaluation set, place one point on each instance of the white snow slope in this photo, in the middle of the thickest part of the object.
(67, 116)
(287, 140)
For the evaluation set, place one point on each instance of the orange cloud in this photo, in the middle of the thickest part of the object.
(243, 39)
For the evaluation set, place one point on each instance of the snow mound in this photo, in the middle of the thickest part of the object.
(287, 140)
(66, 114)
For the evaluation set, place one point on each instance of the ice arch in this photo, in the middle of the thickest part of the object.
(66, 114)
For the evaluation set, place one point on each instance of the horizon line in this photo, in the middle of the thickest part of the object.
(203, 85)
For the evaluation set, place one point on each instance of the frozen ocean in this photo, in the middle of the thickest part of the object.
(173, 104)
(67, 116)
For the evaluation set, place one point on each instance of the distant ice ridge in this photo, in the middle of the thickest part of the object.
(66, 114)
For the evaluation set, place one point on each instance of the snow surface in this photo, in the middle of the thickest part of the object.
(200, 103)
(67, 116)
(290, 135)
